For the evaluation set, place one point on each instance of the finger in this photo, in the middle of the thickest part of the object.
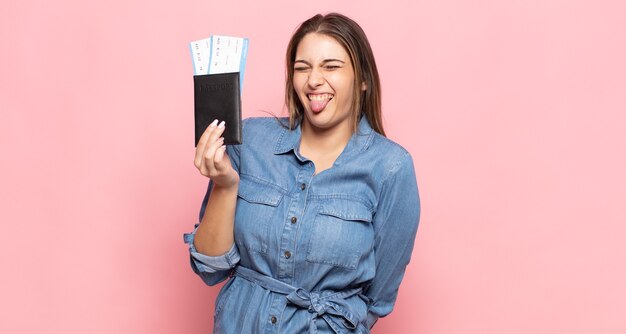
(209, 155)
(220, 162)
(215, 134)
(202, 143)
(207, 131)
(219, 130)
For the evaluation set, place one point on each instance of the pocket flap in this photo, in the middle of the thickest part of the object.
(347, 210)
(260, 192)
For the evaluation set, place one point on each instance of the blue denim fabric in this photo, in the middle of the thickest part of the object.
(320, 253)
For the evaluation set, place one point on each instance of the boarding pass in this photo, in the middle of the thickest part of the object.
(219, 54)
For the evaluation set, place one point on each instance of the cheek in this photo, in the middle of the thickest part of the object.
(341, 83)
(297, 89)
(345, 90)
(298, 82)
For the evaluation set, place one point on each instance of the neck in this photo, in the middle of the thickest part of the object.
(326, 140)
(323, 146)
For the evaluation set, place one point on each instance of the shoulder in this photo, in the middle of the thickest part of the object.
(265, 122)
(255, 126)
(390, 155)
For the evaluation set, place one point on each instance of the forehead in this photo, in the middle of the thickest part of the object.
(316, 46)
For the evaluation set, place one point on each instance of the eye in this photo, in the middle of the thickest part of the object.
(332, 67)
(300, 68)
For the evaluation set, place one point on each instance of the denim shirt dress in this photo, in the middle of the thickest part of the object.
(313, 253)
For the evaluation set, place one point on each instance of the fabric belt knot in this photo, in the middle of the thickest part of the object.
(309, 300)
(331, 306)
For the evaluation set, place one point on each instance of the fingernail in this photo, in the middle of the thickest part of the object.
(213, 124)
(221, 124)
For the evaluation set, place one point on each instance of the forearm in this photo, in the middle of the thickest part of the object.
(215, 235)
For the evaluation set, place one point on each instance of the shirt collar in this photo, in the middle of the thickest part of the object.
(290, 139)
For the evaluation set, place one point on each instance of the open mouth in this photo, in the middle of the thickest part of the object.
(318, 102)
(320, 97)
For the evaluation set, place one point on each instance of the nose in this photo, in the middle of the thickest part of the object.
(316, 78)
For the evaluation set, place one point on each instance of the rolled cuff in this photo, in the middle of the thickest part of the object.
(211, 264)
(371, 320)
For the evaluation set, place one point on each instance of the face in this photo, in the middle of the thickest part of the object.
(324, 82)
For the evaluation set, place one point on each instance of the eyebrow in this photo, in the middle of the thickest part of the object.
(323, 61)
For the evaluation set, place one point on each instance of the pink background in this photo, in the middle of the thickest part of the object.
(514, 112)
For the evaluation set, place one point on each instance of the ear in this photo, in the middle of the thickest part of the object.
(363, 86)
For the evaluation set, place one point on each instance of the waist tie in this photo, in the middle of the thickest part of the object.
(329, 305)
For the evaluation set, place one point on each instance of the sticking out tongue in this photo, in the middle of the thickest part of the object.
(318, 105)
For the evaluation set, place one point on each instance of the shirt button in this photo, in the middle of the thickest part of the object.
(287, 254)
(273, 319)
(294, 220)
(303, 186)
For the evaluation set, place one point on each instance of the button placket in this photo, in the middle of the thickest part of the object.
(296, 207)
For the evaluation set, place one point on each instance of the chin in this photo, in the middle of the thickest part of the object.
(322, 119)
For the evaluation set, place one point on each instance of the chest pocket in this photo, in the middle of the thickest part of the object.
(256, 208)
(342, 233)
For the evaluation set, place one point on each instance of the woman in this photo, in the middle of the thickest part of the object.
(313, 221)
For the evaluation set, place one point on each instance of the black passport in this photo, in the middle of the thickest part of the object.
(217, 96)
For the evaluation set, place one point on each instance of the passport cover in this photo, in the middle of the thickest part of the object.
(217, 96)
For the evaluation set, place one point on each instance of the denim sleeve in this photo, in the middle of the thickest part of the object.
(213, 269)
(395, 224)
